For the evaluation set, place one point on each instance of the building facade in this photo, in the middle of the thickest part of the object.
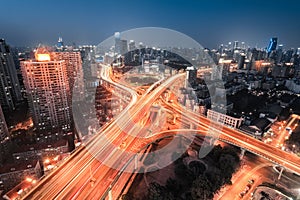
(272, 45)
(10, 92)
(12, 175)
(48, 90)
(74, 72)
(4, 137)
(224, 119)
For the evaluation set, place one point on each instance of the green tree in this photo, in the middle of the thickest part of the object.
(197, 168)
(201, 189)
(174, 187)
(216, 178)
(215, 153)
(227, 166)
(127, 196)
(158, 192)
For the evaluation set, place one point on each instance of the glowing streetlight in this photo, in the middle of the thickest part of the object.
(43, 57)
(286, 137)
(28, 179)
(47, 161)
(20, 191)
(56, 158)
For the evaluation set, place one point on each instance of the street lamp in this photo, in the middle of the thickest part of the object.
(56, 158)
(20, 191)
(47, 161)
(28, 179)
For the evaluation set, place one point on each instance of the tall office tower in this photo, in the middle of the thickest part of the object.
(236, 44)
(47, 85)
(191, 76)
(221, 49)
(298, 51)
(272, 45)
(243, 46)
(279, 53)
(229, 45)
(288, 55)
(217, 72)
(60, 44)
(123, 47)
(4, 137)
(117, 42)
(132, 53)
(10, 92)
(241, 61)
(131, 45)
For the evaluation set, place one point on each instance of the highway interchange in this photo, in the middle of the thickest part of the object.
(90, 171)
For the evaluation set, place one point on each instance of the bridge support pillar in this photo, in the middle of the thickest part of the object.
(180, 145)
(192, 126)
(135, 162)
(280, 173)
(110, 196)
(242, 153)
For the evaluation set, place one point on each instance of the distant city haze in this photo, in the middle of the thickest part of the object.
(211, 23)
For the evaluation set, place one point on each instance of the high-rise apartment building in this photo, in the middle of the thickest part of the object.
(47, 84)
(4, 137)
(10, 92)
(74, 72)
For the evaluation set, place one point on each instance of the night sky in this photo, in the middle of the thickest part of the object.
(211, 22)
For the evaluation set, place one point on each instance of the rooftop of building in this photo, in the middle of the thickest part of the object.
(273, 108)
(261, 123)
(21, 187)
(13, 167)
(286, 98)
(40, 146)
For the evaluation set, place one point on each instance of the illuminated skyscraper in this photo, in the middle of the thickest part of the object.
(4, 137)
(230, 45)
(60, 44)
(131, 45)
(279, 53)
(47, 85)
(121, 46)
(10, 92)
(272, 45)
(117, 42)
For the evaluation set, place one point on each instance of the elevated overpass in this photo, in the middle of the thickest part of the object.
(102, 159)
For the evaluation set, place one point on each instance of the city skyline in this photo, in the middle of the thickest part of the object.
(150, 100)
(209, 23)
